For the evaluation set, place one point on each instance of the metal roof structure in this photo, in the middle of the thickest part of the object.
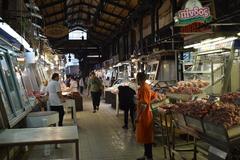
(102, 19)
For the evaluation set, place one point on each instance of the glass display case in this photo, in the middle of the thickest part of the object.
(162, 86)
(207, 67)
(12, 91)
(23, 91)
(8, 83)
(151, 70)
(207, 71)
(214, 62)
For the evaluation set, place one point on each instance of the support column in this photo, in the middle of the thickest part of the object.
(140, 28)
(153, 15)
(174, 8)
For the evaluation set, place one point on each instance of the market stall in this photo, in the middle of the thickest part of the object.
(213, 121)
(213, 62)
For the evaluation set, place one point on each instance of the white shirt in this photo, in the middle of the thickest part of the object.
(73, 86)
(53, 88)
(81, 82)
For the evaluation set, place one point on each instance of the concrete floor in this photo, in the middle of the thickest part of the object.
(101, 137)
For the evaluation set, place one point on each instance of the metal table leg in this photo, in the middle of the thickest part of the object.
(77, 150)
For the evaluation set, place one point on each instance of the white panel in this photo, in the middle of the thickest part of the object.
(165, 14)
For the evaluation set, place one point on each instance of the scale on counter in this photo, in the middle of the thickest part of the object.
(216, 154)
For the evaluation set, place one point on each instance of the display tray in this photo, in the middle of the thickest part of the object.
(157, 104)
(180, 119)
(155, 107)
(219, 132)
(194, 123)
(183, 97)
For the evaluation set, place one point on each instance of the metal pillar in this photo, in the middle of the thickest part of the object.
(141, 34)
(153, 15)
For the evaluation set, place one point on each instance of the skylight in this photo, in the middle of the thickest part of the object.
(77, 35)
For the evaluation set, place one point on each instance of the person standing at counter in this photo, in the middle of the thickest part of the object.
(81, 84)
(144, 119)
(73, 85)
(95, 87)
(55, 98)
(127, 103)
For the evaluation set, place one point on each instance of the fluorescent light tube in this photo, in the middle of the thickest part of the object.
(94, 56)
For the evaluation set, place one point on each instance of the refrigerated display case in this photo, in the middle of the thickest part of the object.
(20, 83)
(210, 70)
(162, 86)
(207, 70)
(212, 62)
(13, 95)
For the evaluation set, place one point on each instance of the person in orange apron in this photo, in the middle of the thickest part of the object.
(144, 119)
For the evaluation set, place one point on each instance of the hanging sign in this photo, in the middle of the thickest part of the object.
(193, 12)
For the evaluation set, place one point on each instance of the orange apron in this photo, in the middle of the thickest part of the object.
(144, 127)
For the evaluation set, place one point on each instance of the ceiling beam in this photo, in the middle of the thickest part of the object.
(99, 9)
(107, 21)
(51, 4)
(97, 25)
(93, 6)
(114, 3)
(86, 12)
(69, 6)
(75, 12)
(141, 8)
(71, 44)
(100, 33)
(76, 19)
(103, 27)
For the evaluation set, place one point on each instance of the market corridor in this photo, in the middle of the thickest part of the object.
(101, 137)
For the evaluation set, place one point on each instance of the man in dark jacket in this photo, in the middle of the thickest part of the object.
(126, 102)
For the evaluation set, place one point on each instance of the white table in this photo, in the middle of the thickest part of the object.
(42, 119)
(70, 103)
(37, 136)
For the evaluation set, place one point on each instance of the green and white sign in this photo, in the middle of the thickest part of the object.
(193, 12)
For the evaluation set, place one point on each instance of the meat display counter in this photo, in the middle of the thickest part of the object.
(215, 123)
(161, 86)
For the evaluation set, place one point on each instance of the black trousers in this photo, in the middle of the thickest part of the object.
(81, 89)
(60, 110)
(95, 99)
(148, 150)
(132, 114)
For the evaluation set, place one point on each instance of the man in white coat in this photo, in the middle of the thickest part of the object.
(55, 98)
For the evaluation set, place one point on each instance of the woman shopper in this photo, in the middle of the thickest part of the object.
(73, 86)
(55, 98)
(95, 87)
(144, 119)
(81, 85)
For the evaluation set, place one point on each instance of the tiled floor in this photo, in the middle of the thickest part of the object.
(101, 137)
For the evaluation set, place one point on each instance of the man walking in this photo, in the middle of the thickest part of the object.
(95, 87)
